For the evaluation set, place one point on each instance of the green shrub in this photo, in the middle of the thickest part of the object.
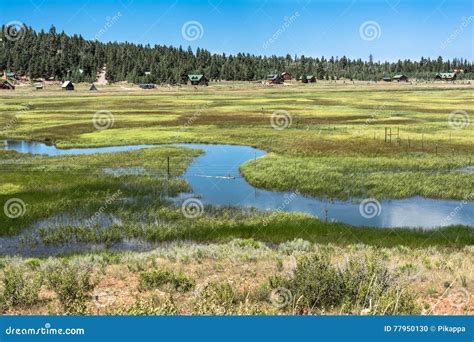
(157, 278)
(73, 285)
(217, 299)
(20, 287)
(362, 287)
(153, 306)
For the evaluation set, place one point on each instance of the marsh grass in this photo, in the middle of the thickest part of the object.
(155, 279)
(360, 287)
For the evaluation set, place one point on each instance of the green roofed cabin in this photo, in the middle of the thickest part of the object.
(400, 78)
(445, 76)
(308, 79)
(5, 84)
(198, 80)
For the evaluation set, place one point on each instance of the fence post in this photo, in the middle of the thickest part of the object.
(168, 166)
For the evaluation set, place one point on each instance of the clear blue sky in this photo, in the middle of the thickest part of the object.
(402, 28)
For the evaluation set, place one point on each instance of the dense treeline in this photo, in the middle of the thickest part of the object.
(52, 54)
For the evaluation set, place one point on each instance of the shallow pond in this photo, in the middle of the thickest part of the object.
(215, 179)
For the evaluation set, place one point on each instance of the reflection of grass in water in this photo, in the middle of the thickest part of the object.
(159, 224)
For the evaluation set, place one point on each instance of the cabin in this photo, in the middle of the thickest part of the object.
(198, 80)
(147, 85)
(6, 84)
(93, 88)
(67, 85)
(400, 78)
(445, 76)
(286, 76)
(10, 75)
(387, 79)
(274, 79)
(308, 79)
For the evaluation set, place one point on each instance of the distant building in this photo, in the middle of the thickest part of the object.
(67, 85)
(387, 79)
(10, 75)
(6, 84)
(286, 76)
(38, 85)
(198, 80)
(400, 78)
(93, 88)
(147, 85)
(275, 79)
(445, 76)
(308, 79)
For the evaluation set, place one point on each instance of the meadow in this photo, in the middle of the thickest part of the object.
(329, 142)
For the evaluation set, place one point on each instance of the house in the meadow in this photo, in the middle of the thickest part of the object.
(275, 79)
(197, 79)
(400, 78)
(445, 76)
(67, 85)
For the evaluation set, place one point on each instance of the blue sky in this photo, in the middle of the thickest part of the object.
(394, 28)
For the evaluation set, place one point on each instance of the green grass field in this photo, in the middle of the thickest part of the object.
(333, 148)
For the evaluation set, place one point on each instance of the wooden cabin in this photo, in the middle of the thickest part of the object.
(387, 79)
(400, 78)
(6, 84)
(198, 80)
(286, 76)
(274, 79)
(67, 85)
(445, 76)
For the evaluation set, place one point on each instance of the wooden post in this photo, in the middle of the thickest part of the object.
(385, 134)
(422, 142)
(436, 149)
(168, 166)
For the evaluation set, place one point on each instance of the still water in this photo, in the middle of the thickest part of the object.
(215, 179)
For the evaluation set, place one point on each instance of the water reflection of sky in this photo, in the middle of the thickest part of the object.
(231, 189)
